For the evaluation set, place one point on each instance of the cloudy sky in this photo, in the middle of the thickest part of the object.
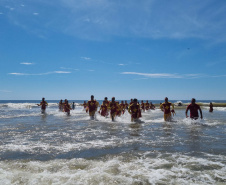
(148, 49)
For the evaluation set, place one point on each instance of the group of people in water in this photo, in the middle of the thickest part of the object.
(114, 108)
(63, 106)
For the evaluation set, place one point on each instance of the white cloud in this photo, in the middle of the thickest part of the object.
(26, 63)
(62, 72)
(86, 58)
(168, 75)
(35, 13)
(154, 75)
(40, 74)
(19, 74)
(121, 64)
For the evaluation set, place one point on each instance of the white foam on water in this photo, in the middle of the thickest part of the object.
(23, 143)
(20, 105)
(125, 169)
(8, 116)
(26, 105)
(219, 109)
(198, 122)
(156, 120)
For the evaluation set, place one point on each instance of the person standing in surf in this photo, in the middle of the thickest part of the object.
(107, 104)
(73, 106)
(113, 108)
(134, 110)
(211, 107)
(142, 106)
(106, 101)
(165, 107)
(126, 105)
(43, 105)
(123, 108)
(67, 107)
(92, 107)
(147, 105)
(61, 105)
(152, 106)
(193, 107)
(104, 109)
(85, 106)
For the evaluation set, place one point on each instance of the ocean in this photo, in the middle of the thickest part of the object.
(54, 148)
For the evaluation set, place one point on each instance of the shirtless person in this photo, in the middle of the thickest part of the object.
(193, 107)
(43, 105)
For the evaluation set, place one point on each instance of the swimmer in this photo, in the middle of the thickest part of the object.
(43, 105)
(134, 110)
(104, 109)
(118, 110)
(126, 105)
(147, 105)
(106, 101)
(193, 107)
(73, 106)
(92, 107)
(67, 107)
(123, 107)
(142, 106)
(165, 107)
(131, 101)
(211, 107)
(84, 105)
(152, 107)
(61, 105)
(113, 108)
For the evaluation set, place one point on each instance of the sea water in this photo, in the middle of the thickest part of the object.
(54, 148)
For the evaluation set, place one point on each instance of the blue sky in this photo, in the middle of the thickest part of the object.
(148, 49)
